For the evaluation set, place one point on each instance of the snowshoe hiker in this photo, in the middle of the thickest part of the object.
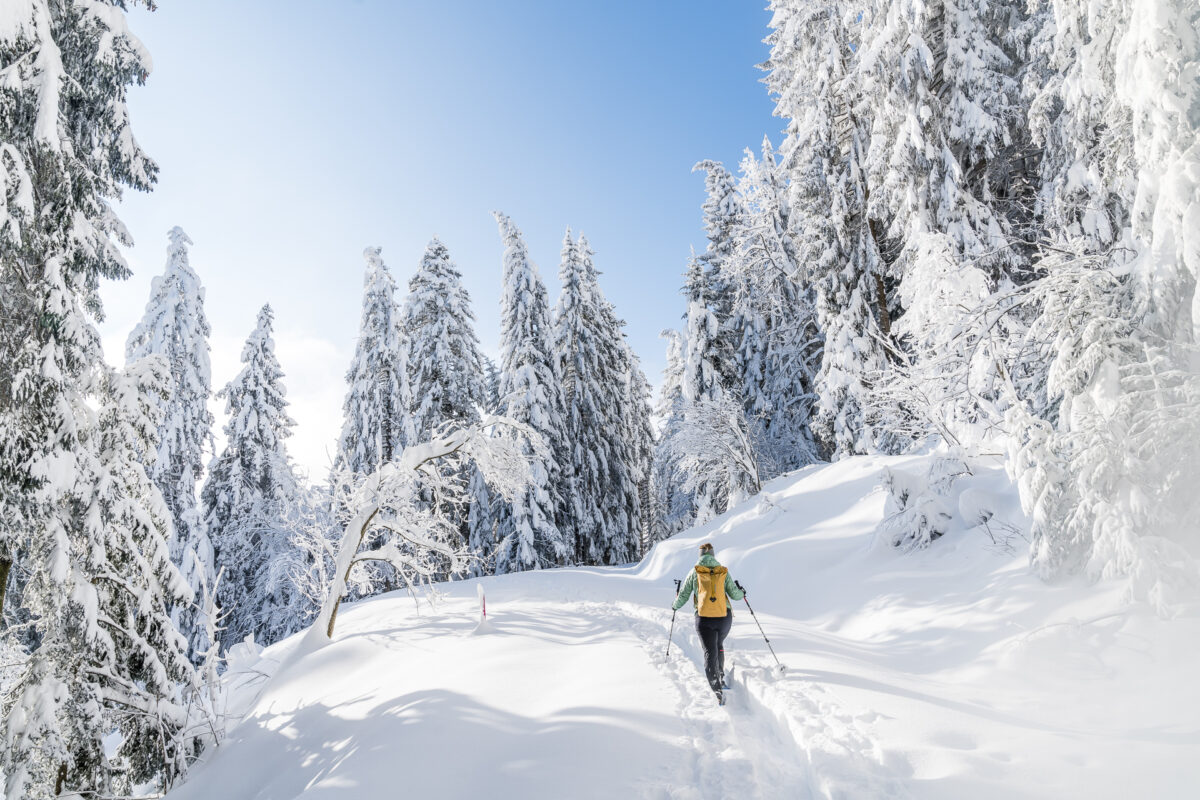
(713, 588)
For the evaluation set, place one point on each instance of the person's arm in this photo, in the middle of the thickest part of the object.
(731, 588)
(685, 592)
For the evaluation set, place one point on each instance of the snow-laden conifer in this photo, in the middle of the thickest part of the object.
(250, 486)
(575, 347)
(531, 393)
(812, 74)
(118, 661)
(445, 367)
(779, 349)
(378, 397)
(620, 424)
(603, 422)
(1116, 319)
(724, 214)
(66, 153)
(175, 327)
(639, 431)
(491, 385)
(945, 107)
(672, 506)
(702, 379)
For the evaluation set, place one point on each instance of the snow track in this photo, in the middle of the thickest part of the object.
(779, 737)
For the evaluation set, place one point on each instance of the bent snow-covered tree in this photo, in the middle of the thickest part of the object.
(418, 542)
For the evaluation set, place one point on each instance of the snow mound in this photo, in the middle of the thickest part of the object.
(945, 672)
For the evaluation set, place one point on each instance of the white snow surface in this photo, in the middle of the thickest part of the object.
(951, 672)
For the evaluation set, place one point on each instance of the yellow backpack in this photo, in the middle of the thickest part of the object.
(710, 591)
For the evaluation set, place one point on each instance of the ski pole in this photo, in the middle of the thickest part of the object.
(782, 668)
(671, 635)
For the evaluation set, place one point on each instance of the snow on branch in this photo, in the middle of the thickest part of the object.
(391, 506)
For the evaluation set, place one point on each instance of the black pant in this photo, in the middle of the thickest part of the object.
(712, 632)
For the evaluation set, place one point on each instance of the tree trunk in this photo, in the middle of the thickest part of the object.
(885, 321)
(5, 566)
(337, 602)
(60, 779)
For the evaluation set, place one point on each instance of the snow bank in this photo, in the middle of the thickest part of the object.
(949, 672)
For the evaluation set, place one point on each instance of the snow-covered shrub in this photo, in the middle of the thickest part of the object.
(918, 507)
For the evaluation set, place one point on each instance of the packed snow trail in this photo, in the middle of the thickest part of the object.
(936, 675)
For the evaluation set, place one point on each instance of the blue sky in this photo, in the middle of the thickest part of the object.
(291, 135)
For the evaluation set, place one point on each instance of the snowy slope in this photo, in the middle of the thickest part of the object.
(949, 673)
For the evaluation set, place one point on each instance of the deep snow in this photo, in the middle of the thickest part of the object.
(947, 673)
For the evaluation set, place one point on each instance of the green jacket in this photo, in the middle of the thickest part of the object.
(689, 585)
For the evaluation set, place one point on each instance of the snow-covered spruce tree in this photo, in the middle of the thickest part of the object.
(66, 153)
(929, 170)
(377, 401)
(812, 74)
(1100, 469)
(378, 398)
(532, 395)
(603, 513)
(575, 347)
(701, 374)
(140, 665)
(619, 422)
(250, 486)
(672, 506)
(65, 84)
(175, 327)
(119, 662)
(779, 352)
(945, 105)
(637, 423)
(724, 213)
(1087, 167)
(491, 385)
(702, 380)
(445, 368)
